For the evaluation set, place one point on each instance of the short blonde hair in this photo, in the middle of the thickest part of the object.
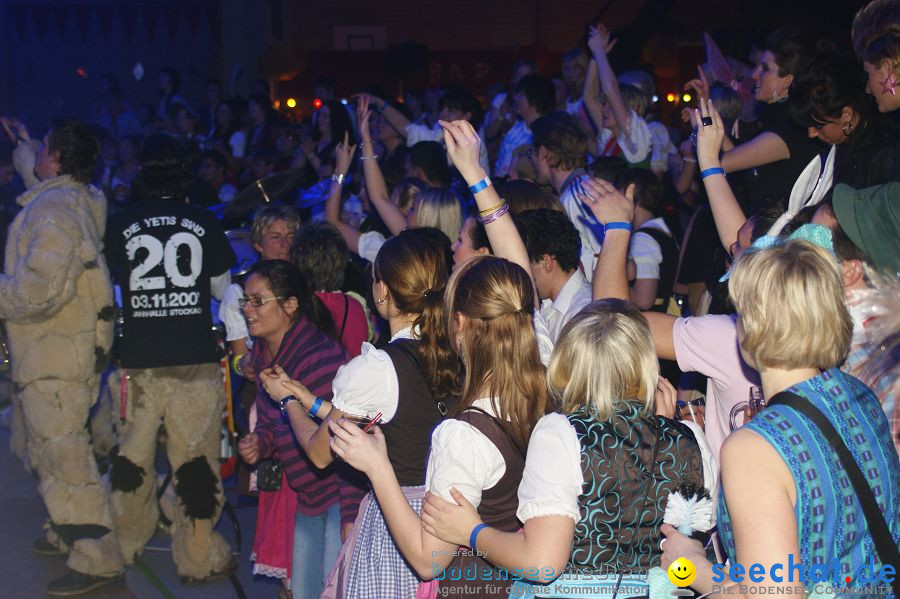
(268, 215)
(439, 208)
(604, 355)
(790, 304)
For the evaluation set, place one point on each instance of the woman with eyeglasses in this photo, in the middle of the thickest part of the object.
(299, 527)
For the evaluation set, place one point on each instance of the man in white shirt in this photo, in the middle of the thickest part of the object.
(554, 249)
(559, 156)
(534, 98)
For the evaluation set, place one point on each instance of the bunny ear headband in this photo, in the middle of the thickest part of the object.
(722, 72)
(809, 189)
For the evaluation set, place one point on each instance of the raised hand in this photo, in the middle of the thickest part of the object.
(608, 203)
(463, 146)
(599, 41)
(447, 521)
(365, 452)
(699, 85)
(343, 155)
(363, 112)
(709, 135)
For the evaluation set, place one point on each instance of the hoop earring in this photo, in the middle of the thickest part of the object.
(380, 301)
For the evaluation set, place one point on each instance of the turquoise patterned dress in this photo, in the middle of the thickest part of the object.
(830, 520)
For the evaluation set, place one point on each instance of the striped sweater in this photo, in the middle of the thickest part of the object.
(312, 358)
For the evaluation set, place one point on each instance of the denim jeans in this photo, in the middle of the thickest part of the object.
(317, 542)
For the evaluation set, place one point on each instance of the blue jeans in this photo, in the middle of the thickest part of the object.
(317, 542)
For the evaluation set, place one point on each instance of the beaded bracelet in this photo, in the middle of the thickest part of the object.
(486, 220)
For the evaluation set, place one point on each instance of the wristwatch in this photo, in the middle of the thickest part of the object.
(284, 402)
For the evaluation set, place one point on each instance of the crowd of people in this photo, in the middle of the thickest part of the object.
(547, 348)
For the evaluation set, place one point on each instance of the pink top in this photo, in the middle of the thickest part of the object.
(709, 345)
(355, 325)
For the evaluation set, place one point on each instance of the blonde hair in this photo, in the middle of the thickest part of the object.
(441, 209)
(790, 303)
(604, 355)
(498, 344)
(268, 215)
(406, 192)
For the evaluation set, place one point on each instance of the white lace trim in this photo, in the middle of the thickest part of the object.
(265, 570)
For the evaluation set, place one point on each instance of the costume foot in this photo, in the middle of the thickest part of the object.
(47, 549)
(225, 572)
(75, 583)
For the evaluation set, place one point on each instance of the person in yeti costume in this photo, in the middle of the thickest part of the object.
(169, 257)
(56, 299)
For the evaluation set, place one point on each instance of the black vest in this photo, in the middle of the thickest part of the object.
(408, 434)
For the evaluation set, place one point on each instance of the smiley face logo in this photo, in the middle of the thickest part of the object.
(682, 572)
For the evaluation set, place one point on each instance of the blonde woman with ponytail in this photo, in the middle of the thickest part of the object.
(481, 449)
(410, 384)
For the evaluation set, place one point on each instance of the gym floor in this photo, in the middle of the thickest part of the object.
(25, 575)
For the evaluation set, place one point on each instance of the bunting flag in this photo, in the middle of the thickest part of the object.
(192, 13)
(151, 16)
(129, 16)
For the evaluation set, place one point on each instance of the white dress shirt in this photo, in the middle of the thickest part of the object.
(572, 298)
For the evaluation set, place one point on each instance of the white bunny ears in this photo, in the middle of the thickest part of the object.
(809, 189)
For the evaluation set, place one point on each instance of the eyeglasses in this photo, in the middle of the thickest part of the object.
(256, 302)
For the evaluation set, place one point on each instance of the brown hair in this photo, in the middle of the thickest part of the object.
(415, 267)
(564, 139)
(876, 32)
(522, 195)
(499, 347)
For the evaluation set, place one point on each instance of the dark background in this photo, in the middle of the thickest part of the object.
(52, 52)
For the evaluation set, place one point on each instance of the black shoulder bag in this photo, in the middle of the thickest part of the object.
(878, 528)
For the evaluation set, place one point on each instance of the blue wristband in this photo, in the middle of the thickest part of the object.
(315, 407)
(716, 170)
(480, 186)
(617, 225)
(474, 535)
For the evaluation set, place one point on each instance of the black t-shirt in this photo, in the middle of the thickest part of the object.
(163, 254)
(771, 183)
(700, 262)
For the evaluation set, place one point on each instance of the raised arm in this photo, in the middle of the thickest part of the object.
(392, 216)
(614, 211)
(600, 45)
(727, 213)
(765, 148)
(463, 145)
(396, 118)
(591, 94)
(343, 158)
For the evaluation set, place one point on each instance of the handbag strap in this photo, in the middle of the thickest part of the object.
(878, 527)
